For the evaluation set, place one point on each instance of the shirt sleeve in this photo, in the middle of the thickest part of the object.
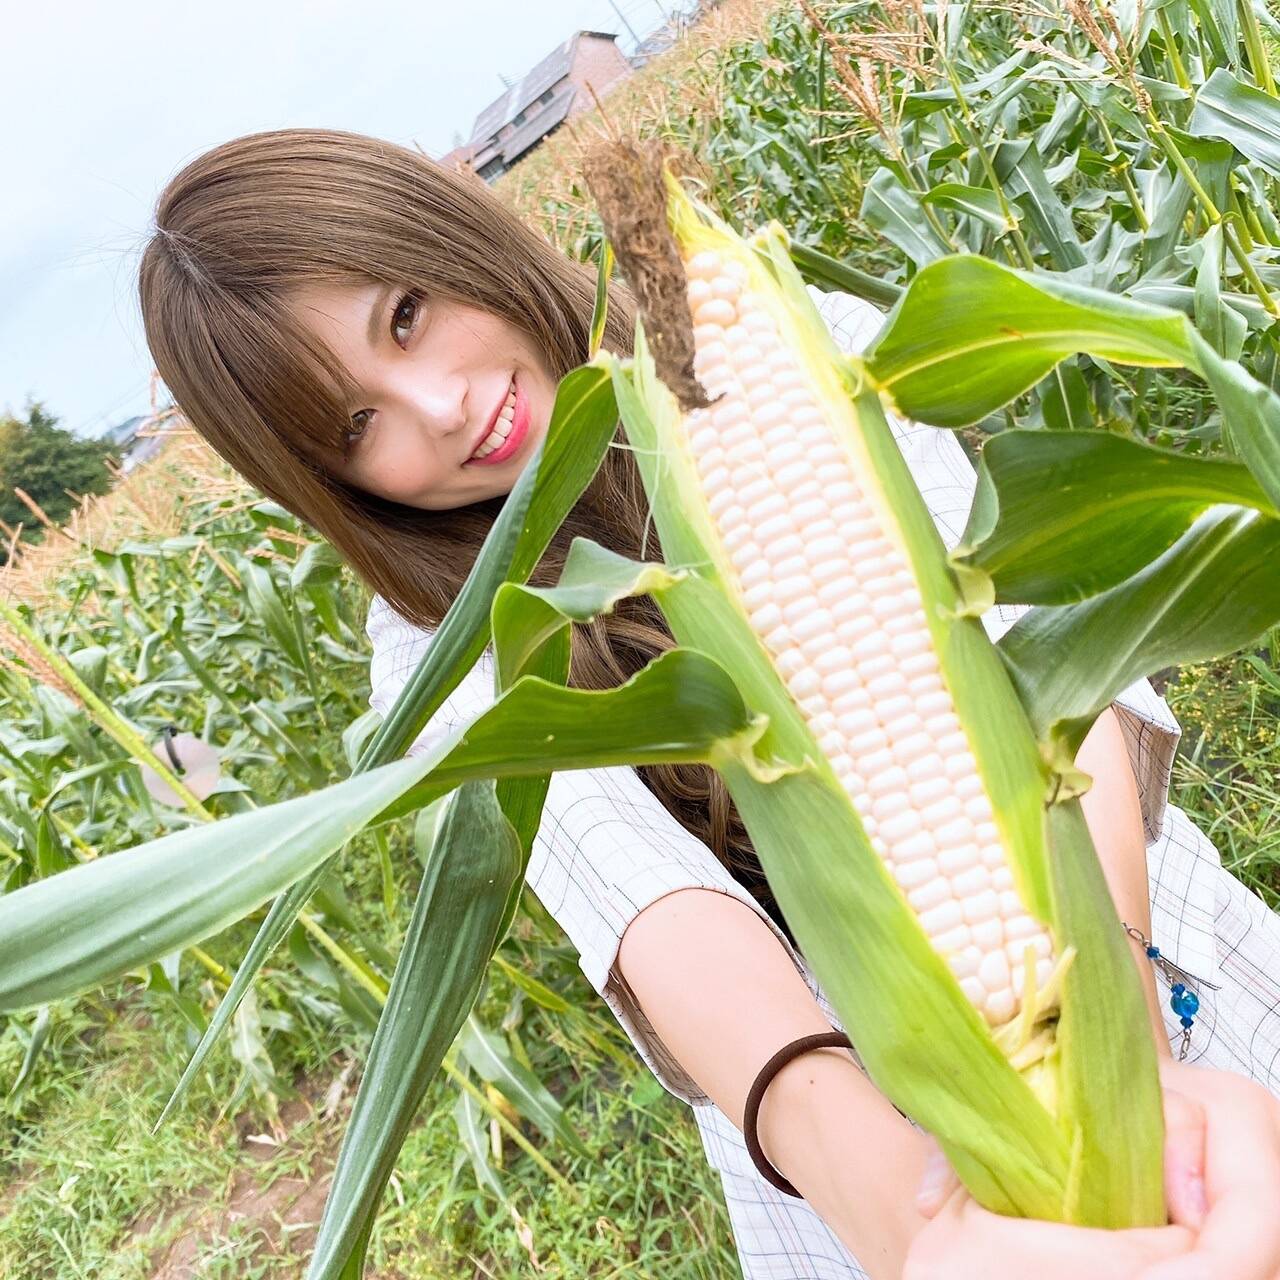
(606, 847)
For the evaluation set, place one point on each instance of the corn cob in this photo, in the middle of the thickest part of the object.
(828, 587)
(928, 850)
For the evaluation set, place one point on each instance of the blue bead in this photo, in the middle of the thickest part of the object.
(1153, 952)
(1184, 1003)
(1177, 988)
(1186, 1022)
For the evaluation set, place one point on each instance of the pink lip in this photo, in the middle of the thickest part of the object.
(519, 426)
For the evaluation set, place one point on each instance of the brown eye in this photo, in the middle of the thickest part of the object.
(409, 299)
(359, 428)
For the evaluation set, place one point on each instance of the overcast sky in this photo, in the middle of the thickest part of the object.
(104, 103)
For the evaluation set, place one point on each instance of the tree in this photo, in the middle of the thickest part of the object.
(45, 461)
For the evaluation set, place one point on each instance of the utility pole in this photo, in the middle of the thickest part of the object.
(635, 39)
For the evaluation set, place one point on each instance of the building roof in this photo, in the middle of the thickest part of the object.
(124, 431)
(538, 126)
(555, 66)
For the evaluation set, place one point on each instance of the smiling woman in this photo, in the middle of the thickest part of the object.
(375, 343)
(342, 319)
(449, 392)
(346, 323)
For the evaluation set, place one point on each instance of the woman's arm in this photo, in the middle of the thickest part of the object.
(724, 997)
(1114, 816)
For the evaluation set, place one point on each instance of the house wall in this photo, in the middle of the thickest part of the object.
(599, 63)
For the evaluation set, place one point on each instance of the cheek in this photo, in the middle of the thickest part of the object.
(396, 471)
(544, 397)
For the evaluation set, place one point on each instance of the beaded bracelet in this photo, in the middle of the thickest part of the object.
(1184, 1002)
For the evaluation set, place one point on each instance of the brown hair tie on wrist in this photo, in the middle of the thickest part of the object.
(822, 1040)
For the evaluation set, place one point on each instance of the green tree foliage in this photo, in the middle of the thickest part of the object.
(46, 461)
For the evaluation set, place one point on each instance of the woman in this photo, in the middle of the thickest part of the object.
(375, 343)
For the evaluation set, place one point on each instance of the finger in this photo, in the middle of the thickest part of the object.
(1240, 1237)
(938, 1182)
(1065, 1253)
(1184, 1129)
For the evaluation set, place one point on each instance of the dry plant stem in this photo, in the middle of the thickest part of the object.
(39, 512)
(861, 92)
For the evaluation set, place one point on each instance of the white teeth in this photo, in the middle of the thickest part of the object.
(501, 429)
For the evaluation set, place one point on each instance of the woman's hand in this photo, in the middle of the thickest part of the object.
(1239, 1238)
(1222, 1186)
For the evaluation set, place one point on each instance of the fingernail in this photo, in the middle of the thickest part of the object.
(936, 1173)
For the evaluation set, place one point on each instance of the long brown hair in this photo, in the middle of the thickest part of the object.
(246, 222)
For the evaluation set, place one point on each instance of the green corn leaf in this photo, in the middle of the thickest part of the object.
(473, 866)
(1102, 1092)
(37, 1038)
(895, 212)
(593, 580)
(1236, 112)
(1064, 399)
(1060, 516)
(973, 202)
(537, 991)
(1212, 592)
(1019, 166)
(268, 606)
(969, 335)
(99, 920)
(537, 727)
(1221, 327)
(470, 1124)
(319, 565)
(492, 1060)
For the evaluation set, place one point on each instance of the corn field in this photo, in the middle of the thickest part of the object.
(1067, 210)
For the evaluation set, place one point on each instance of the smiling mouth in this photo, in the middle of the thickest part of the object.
(501, 427)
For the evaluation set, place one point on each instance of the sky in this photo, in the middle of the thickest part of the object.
(106, 102)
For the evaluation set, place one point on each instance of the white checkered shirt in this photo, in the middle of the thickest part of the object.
(607, 848)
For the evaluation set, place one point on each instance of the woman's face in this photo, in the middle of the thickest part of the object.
(441, 384)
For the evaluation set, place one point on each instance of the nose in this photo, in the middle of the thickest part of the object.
(436, 403)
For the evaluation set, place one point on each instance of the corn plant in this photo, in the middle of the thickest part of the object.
(239, 631)
(1041, 1087)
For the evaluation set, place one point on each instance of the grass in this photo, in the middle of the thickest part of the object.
(92, 1193)
(1229, 758)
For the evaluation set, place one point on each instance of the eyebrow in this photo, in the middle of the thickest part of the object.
(375, 316)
